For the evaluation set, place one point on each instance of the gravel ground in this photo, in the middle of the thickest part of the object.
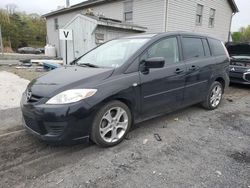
(199, 148)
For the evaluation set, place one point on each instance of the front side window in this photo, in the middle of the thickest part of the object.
(128, 10)
(166, 48)
(211, 17)
(199, 14)
(192, 48)
(113, 53)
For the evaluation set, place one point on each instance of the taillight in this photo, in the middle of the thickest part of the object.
(247, 64)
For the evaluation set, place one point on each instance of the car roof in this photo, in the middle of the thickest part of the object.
(165, 34)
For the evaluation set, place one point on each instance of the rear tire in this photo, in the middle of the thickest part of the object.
(214, 96)
(111, 124)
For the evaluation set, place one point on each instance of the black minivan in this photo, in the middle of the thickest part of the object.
(123, 82)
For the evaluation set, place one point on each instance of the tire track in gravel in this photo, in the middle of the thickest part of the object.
(20, 148)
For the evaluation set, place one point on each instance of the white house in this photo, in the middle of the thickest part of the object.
(211, 17)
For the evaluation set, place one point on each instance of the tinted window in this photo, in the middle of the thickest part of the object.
(166, 48)
(216, 46)
(206, 47)
(192, 48)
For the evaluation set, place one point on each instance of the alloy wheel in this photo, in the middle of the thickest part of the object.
(216, 96)
(113, 125)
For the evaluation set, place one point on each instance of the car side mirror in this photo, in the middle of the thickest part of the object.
(154, 63)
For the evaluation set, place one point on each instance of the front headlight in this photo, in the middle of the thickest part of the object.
(71, 96)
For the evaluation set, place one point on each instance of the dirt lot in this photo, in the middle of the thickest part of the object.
(28, 73)
(199, 148)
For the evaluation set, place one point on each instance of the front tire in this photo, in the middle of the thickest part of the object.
(111, 124)
(214, 96)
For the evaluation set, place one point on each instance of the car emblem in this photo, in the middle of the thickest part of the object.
(233, 69)
(29, 94)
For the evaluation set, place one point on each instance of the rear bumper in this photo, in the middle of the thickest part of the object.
(57, 123)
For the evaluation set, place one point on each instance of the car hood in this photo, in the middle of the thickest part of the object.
(239, 57)
(68, 77)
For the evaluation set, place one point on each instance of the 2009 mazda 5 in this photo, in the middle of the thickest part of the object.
(123, 82)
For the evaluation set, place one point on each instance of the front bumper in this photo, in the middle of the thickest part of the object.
(57, 123)
(239, 75)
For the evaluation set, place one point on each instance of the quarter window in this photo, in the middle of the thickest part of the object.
(211, 17)
(199, 14)
(217, 47)
(192, 48)
(166, 48)
(128, 10)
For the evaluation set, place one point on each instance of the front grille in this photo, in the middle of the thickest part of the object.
(34, 98)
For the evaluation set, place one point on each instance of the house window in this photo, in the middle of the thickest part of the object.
(56, 24)
(211, 17)
(128, 10)
(199, 14)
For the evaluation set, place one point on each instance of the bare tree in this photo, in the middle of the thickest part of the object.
(11, 8)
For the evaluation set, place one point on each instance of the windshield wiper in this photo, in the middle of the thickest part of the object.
(88, 65)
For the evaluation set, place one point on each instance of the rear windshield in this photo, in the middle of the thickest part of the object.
(239, 49)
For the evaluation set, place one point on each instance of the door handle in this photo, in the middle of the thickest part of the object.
(178, 71)
(193, 68)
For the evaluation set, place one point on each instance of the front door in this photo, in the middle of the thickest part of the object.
(162, 88)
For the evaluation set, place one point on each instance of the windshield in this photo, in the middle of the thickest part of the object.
(113, 53)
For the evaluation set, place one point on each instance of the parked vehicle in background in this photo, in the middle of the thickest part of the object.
(125, 81)
(240, 62)
(29, 50)
(41, 50)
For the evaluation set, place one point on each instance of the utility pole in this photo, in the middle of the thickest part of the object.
(1, 40)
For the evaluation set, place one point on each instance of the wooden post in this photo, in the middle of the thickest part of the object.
(66, 52)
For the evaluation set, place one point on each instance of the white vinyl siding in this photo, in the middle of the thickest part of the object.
(110, 9)
(181, 17)
(150, 14)
(146, 13)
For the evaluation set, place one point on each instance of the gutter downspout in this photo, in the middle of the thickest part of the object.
(166, 7)
(229, 34)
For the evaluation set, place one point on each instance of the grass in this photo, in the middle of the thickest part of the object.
(28, 74)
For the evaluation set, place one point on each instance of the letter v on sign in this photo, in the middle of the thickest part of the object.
(65, 34)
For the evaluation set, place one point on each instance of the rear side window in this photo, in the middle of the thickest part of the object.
(216, 47)
(192, 48)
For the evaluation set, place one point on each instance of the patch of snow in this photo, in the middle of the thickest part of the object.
(11, 90)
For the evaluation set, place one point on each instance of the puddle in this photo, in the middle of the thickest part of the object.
(241, 157)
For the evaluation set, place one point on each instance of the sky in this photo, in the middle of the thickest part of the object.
(241, 19)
